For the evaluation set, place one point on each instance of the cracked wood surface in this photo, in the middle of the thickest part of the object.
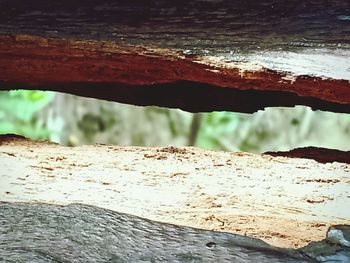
(222, 55)
(286, 202)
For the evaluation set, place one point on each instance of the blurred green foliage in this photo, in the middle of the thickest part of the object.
(214, 129)
(72, 120)
(17, 112)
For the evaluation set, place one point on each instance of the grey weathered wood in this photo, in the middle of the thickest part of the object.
(81, 233)
(195, 27)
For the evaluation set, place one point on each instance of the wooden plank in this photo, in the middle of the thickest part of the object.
(287, 202)
(222, 55)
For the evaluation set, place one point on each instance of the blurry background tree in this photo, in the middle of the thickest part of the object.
(72, 120)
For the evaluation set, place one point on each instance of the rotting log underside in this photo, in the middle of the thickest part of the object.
(286, 202)
(197, 55)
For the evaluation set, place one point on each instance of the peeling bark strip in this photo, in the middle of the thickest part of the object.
(319, 154)
(286, 202)
(245, 55)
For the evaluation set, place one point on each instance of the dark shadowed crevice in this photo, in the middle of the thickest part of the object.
(189, 96)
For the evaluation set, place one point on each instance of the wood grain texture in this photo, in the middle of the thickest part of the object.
(210, 25)
(53, 233)
(172, 54)
(286, 202)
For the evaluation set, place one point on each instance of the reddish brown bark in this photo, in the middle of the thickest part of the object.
(56, 64)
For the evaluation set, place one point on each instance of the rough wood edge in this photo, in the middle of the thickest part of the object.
(36, 171)
(149, 76)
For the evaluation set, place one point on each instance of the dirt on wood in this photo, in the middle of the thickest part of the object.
(287, 202)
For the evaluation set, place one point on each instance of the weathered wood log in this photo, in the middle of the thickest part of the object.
(286, 202)
(81, 233)
(197, 55)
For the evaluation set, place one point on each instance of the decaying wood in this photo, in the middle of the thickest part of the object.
(284, 201)
(197, 55)
(321, 155)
